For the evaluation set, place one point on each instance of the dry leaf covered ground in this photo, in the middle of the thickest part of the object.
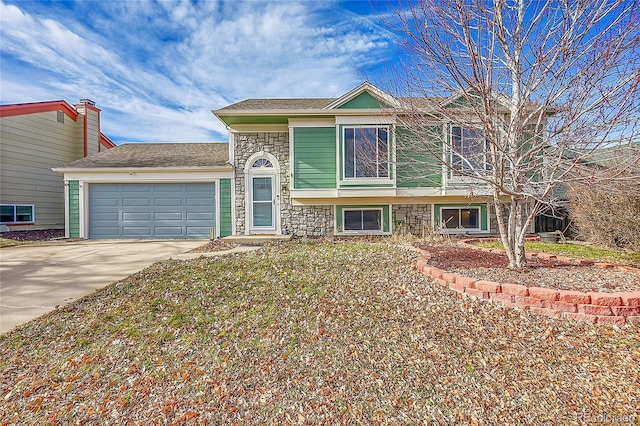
(315, 333)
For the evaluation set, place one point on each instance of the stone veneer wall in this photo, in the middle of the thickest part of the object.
(414, 217)
(296, 220)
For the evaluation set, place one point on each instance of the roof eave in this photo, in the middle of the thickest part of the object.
(225, 168)
(297, 112)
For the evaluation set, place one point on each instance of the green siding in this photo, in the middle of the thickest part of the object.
(483, 212)
(416, 163)
(74, 209)
(225, 207)
(363, 100)
(386, 225)
(314, 158)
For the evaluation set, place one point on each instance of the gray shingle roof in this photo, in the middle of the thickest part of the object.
(174, 155)
(283, 104)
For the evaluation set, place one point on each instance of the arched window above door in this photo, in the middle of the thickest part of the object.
(261, 162)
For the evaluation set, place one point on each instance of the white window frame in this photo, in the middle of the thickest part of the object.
(443, 227)
(379, 179)
(465, 169)
(362, 231)
(15, 221)
(250, 172)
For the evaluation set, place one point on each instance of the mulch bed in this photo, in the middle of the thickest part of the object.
(538, 272)
(37, 235)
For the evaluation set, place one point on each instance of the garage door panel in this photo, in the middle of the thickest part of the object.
(105, 216)
(163, 201)
(167, 188)
(106, 202)
(130, 202)
(135, 188)
(103, 231)
(169, 216)
(151, 210)
(193, 201)
(133, 216)
(136, 231)
(200, 216)
(197, 231)
(168, 231)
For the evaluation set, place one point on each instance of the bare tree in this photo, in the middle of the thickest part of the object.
(518, 98)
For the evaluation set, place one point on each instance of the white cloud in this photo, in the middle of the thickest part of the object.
(157, 68)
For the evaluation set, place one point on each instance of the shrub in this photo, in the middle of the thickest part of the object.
(607, 216)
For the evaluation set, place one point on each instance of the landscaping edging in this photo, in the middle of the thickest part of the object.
(593, 307)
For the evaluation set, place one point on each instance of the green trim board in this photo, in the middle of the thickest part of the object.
(386, 216)
(266, 119)
(225, 207)
(484, 218)
(276, 119)
(74, 209)
(314, 158)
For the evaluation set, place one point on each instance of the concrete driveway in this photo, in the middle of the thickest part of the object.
(35, 278)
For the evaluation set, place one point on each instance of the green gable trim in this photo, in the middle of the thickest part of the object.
(225, 207)
(74, 209)
(275, 119)
(267, 119)
(386, 217)
(362, 101)
(314, 158)
(484, 220)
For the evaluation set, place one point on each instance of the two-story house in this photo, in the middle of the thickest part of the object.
(336, 166)
(304, 167)
(34, 137)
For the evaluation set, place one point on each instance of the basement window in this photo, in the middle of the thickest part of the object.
(16, 213)
(464, 218)
(362, 220)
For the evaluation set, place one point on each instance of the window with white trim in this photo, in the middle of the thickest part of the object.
(469, 150)
(466, 218)
(362, 220)
(16, 213)
(366, 152)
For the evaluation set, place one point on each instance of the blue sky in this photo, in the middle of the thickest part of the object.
(158, 68)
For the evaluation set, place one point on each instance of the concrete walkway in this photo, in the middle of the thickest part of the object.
(36, 278)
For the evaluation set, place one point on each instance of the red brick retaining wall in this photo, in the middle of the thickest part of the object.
(612, 308)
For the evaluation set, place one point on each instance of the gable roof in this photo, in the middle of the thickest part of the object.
(36, 107)
(156, 155)
(305, 105)
(381, 96)
(12, 110)
(279, 104)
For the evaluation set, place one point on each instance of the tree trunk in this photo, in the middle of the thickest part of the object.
(512, 227)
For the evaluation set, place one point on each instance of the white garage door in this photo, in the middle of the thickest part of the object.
(159, 210)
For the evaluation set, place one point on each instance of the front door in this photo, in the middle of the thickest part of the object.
(262, 203)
